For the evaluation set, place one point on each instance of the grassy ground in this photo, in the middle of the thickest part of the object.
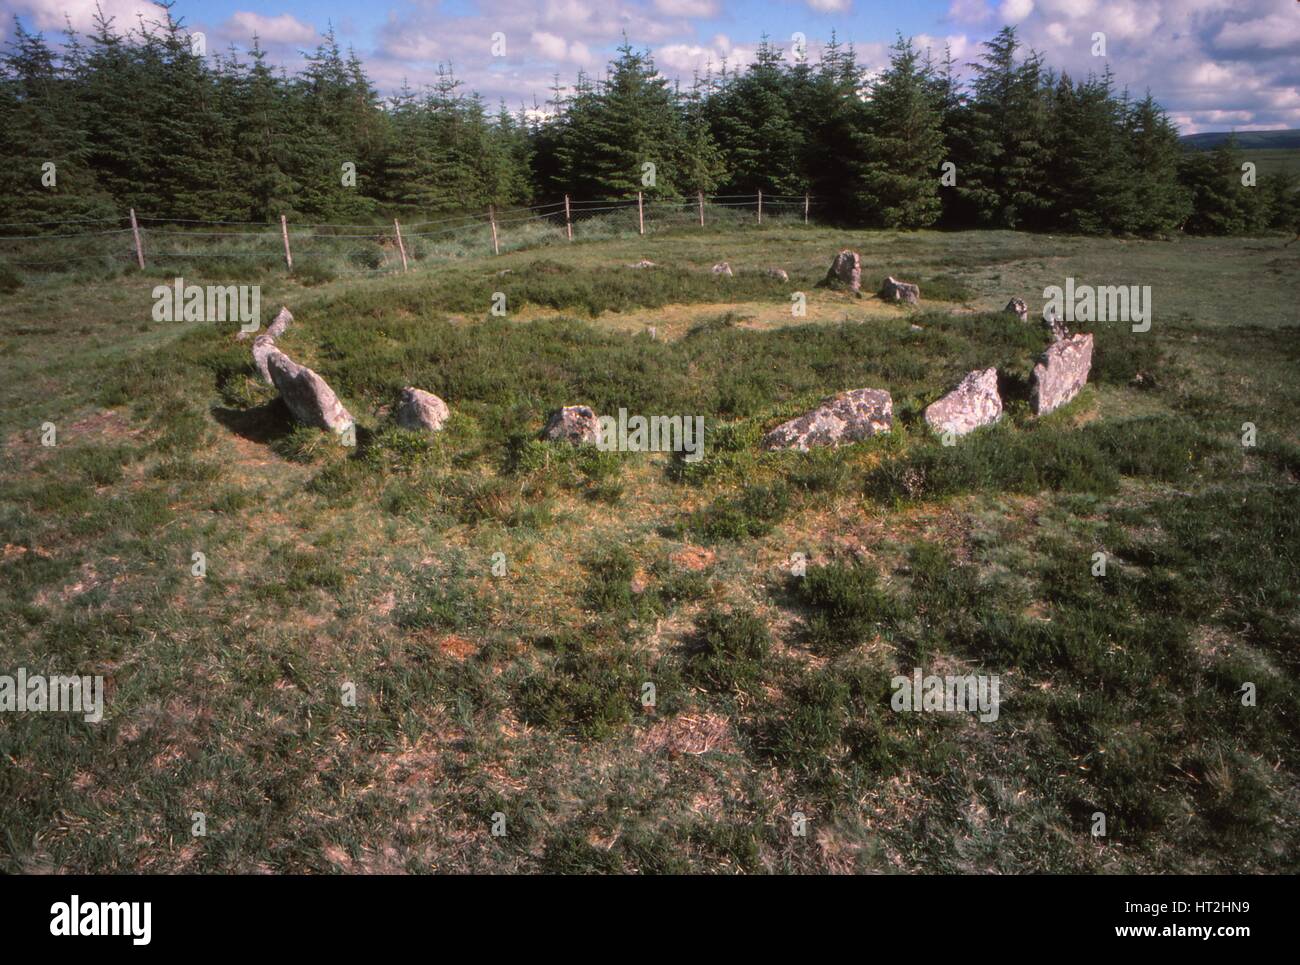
(519, 693)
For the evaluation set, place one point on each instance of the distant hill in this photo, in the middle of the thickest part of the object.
(1253, 140)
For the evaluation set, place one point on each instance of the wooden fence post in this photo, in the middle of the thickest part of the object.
(640, 214)
(492, 216)
(701, 209)
(135, 230)
(568, 221)
(805, 207)
(400, 246)
(284, 231)
(760, 207)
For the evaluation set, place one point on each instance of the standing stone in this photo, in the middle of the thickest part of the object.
(1018, 308)
(846, 269)
(420, 410)
(1054, 325)
(893, 290)
(281, 322)
(263, 346)
(1060, 373)
(848, 417)
(277, 326)
(722, 268)
(574, 424)
(974, 403)
(307, 395)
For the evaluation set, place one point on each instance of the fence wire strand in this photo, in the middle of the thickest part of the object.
(428, 241)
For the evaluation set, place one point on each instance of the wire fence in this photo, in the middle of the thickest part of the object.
(111, 245)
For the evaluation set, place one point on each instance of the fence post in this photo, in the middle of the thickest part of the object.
(568, 221)
(805, 207)
(135, 230)
(400, 246)
(760, 207)
(640, 214)
(701, 209)
(492, 216)
(284, 231)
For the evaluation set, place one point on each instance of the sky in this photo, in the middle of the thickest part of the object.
(1214, 64)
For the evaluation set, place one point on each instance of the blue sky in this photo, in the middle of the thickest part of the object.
(1215, 64)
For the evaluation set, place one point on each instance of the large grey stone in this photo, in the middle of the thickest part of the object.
(420, 410)
(573, 423)
(265, 341)
(893, 290)
(722, 268)
(1060, 373)
(1018, 308)
(1055, 326)
(277, 327)
(307, 395)
(263, 346)
(848, 417)
(778, 273)
(846, 270)
(974, 403)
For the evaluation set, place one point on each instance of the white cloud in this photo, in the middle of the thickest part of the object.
(961, 46)
(284, 29)
(685, 60)
(1013, 11)
(969, 11)
(687, 8)
(555, 48)
(48, 15)
(549, 45)
(1275, 32)
(1211, 63)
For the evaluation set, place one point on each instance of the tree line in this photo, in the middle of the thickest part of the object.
(142, 119)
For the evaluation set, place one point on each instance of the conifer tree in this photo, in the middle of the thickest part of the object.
(1002, 163)
(903, 144)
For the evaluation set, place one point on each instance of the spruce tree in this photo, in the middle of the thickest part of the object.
(903, 144)
(1002, 167)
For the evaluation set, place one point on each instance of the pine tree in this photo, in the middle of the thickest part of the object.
(40, 124)
(702, 165)
(1092, 185)
(833, 114)
(1213, 180)
(264, 149)
(1002, 166)
(752, 121)
(1160, 202)
(903, 144)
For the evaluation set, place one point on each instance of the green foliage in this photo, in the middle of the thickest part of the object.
(609, 588)
(730, 651)
(903, 144)
(233, 139)
(441, 602)
(586, 690)
(1045, 458)
(750, 514)
(846, 606)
